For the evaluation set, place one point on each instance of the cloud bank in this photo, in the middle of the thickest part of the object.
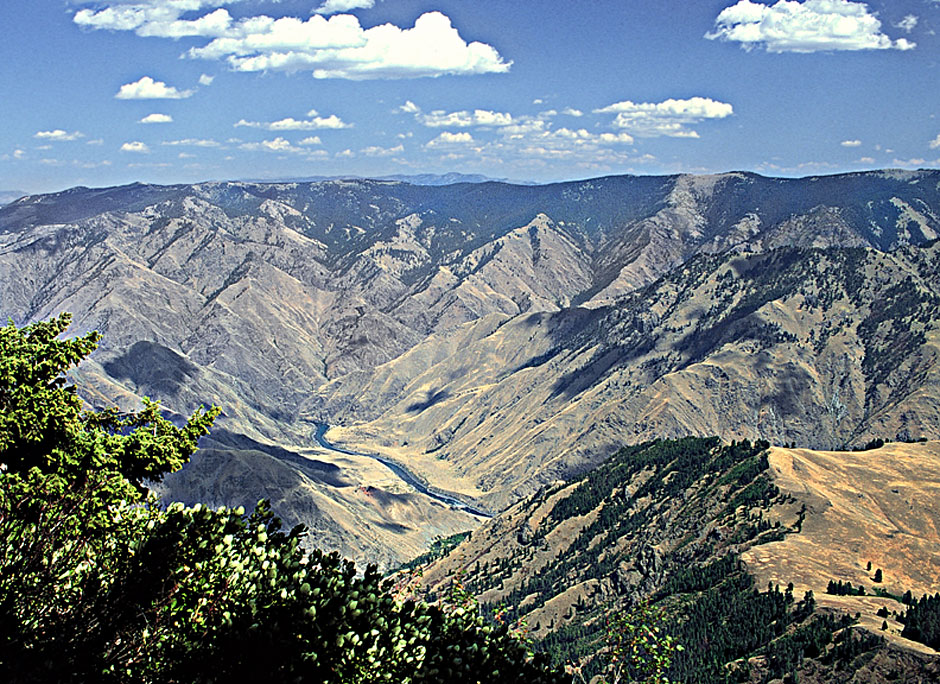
(334, 47)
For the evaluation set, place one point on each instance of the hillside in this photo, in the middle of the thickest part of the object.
(817, 347)
(700, 529)
(428, 320)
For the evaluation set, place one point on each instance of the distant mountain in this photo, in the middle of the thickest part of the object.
(818, 347)
(726, 540)
(448, 179)
(414, 179)
(494, 336)
(7, 196)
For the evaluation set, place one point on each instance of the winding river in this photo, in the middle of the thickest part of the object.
(403, 473)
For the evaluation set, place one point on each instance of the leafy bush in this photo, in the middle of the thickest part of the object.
(98, 582)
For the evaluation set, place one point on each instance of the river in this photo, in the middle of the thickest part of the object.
(403, 473)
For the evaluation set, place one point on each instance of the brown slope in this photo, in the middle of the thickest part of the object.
(816, 347)
(561, 558)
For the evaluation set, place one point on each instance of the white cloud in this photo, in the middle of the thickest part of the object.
(58, 135)
(448, 138)
(409, 108)
(148, 89)
(432, 47)
(156, 118)
(866, 160)
(570, 111)
(935, 143)
(538, 101)
(186, 155)
(907, 23)
(669, 118)
(333, 47)
(282, 145)
(376, 151)
(206, 79)
(19, 154)
(159, 18)
(312, 140)
(334, 6)
(810, 26)
(96, 141)
(917, 161)
(135, 146)
(464, 119)
(850, 143)
(291, 124)
(192, 142)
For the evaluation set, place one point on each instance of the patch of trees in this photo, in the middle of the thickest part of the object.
(840, 588)
(99, 582)
(922, 621)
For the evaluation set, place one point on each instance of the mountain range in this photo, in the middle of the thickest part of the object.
(489, 337)
(599, 365)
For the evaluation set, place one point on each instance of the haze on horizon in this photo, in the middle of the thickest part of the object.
(108, 92)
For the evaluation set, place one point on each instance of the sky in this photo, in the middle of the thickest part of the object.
(108, 92)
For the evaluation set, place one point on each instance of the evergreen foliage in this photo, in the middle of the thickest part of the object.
(841, 588)
(98, 582)
(922, 621)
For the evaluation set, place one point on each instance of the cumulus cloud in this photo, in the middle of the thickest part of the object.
(432, 47)
(334, 6)
(135, 146)
(283, 146)
(156, 118)
(448, 138)
(312, 140)
(907, 23)
(570, 111)
(330, 47)
(279, 144)
(160, 18)
(935, 143)
(291, 124)
(810, 26)
(376, 151)
(206, 79)
(148, 89)
(669, 118)
(58, 135)
(464, 119)
(850, 143)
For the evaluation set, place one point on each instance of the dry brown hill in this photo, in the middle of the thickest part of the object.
(815, 347)
(698, 529)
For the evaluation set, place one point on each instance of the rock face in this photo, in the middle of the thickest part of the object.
(496, 329)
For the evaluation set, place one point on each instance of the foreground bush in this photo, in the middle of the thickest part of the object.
(98, 582)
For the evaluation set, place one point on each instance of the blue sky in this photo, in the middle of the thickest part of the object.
(114, 91)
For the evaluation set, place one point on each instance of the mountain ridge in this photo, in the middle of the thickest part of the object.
(264, 298)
